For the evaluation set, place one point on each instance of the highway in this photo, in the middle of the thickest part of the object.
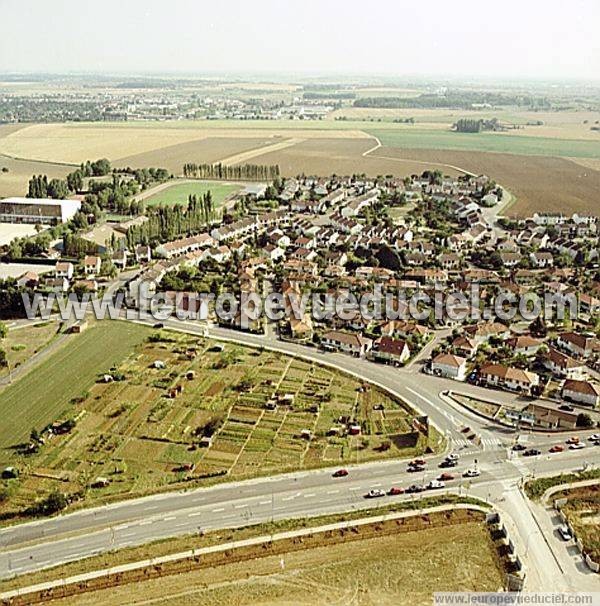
(45, 543)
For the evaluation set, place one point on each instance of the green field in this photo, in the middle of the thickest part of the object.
(179, 193)
(486, 142)
(45, 392)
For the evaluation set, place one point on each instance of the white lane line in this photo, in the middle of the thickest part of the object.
(150, 507)
(146, 523)
(332, 491)
(218, 510)
(193, 515)
(180, 524)
(128, 534)
(309, 495)
(264, 502)
(289, 498)
(241, 506)
(169, 519)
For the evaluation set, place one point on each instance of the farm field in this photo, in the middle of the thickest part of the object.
(178, 192)
(45, 393)
(396, 569)
(25, 341)
(145, 436)
(14, 182)
(205, 150)
(583, 513)
(539, 183)
(343, 157)
(488, 142)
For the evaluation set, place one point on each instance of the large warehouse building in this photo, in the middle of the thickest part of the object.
(37, 210)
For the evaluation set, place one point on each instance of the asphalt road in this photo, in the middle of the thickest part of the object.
(46, 543)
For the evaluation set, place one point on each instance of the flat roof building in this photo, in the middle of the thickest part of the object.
(37, 210)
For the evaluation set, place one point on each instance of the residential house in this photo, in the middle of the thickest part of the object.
(91, 265)
(524, 345)
(63, 269)
(562, 365)
(390, 351)
(579, 345)
(583, 392)
(508, 377)
(354, 344)
(449, 365)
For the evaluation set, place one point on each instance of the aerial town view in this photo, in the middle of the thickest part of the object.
(299, 303)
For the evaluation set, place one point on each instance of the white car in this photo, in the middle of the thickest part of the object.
(577, 446)
(452, 457)
(565, 533)
(594, 437)
(472, 473)
(436, 484)
(376, 492)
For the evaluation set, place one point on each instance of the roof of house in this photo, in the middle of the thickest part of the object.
(346, 338)
(582, 387)
(449, 360)
(510, 373)
(388, 345)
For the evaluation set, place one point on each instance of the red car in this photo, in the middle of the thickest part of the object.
(445, 477)
(395, 490)
(340, 473)
(557, 448)
(418, 462)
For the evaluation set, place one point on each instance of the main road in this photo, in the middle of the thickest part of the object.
(45, 543)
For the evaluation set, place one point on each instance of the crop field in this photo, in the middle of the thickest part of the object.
(343, 157)
(45, 393)
(583, 513)
(488, 142)
(144, 437)
(206, 150)
(403, 568)
(178, 193)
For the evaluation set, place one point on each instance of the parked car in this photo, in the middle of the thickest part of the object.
(158, 325)
(375, 493)
(565, 533)
(445, 477)
(557, 448)
(434, 484)
(532, 452)
(472, 473)
(395, 490)
(518, 447)
(566, 407)
(340, 473)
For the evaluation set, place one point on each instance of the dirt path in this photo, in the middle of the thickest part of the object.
(254, 153)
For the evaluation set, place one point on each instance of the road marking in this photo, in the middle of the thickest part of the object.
(264, 502)
(169, 519)
(289, 498)
(146, 523)
(218, 510)
(310, 495)
(241, 506)
(332, 491)
(193, 515)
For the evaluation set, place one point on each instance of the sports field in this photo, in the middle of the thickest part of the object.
(178, 193)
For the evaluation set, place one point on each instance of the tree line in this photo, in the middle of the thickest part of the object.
(167, 223)
(242, 172)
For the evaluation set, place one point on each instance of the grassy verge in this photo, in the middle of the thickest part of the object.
(175, 545)
(536, 488)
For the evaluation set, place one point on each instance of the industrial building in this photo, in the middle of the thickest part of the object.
(37, 210)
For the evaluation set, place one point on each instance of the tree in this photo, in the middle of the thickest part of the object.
(3, 359)
(584, 420)
(3, 330)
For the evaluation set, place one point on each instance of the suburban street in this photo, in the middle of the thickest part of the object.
(41, 544)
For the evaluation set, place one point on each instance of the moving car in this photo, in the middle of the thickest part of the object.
(518, 447)
(577, 446)
(557, 448)
(414, 468)
(395, 490)
(418, 462)
(340, 473)
(415, 488)
(532, 452)
(566, 408)
(565, 533)
(375, 493)
(573, 440)
(452, 457)
(594, 437)
(447, 463)
(435, 484)
(472, 473)
(445, 477)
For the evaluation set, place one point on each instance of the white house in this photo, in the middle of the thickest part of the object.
(449, 365)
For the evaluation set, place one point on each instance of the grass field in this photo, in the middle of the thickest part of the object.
(401, 568)
(488, 142)
(25, 341)
(179, 192)
(45, 393)
(135, 433)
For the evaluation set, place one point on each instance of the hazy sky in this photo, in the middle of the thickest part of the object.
(544, 38)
